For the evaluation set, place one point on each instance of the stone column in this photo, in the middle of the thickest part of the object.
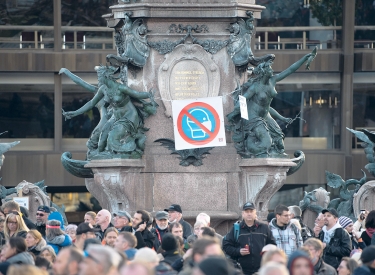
(260, 179)
(119, 184)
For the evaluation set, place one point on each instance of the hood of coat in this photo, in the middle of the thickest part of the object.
(23, 257)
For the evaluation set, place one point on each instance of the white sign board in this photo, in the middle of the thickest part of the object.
(198, 123)
(243, 107)
(22, 201)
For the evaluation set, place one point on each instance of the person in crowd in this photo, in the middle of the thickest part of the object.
(141, 221)
(55, 237)
(84, 231)
(15, 226)
(126, 243)
(299, 263)
(347, 266)
(48, 253)
(370, 228)
(2, 224)
(137, 268)
(34, 242)
(10, 206)
(315, 247)
(213, 265)
(347, 224)
(197, 229)
(368, 262)
(148, 256)
(208, 232)
(270, 217)
(296, 213)
(273, 268)
(43, 263)
(99, 260)
(71, 230)
(67, 261)
(103, 221)
(110, 236)
(246, 244)
(202, 249)
(277, 256)
(176, 229)
(15, 252)
(359, 226)
(336, 241)
(269, 247)
(90, 242)
(207, 220)
(161, 227)
(287, 235)
(170, 246)
(319, 221)
(90, 218)
(42, 214)
(25, 269)
(121, 219)
(175, 215)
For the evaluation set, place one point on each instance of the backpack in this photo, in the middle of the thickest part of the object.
(236, 227)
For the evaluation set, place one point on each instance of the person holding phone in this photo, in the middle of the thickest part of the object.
(370, 228)
(141, 221)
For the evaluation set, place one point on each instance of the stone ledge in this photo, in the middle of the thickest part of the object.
(139, 163)
(267, 162)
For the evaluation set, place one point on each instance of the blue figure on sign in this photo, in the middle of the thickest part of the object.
(202, 116)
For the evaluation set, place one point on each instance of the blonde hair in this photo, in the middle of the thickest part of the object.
(92, 214)
(36, 235)
(269, 254)
(25, 269)
(21, 226)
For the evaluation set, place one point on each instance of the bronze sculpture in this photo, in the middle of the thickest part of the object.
(260, 135)
(120, 132)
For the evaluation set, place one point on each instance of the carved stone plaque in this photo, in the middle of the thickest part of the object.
(187, 72)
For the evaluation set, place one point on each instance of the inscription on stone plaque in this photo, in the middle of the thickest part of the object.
(188, 80)
(188, 72)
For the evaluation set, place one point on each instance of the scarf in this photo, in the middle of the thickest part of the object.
(370, 231)
(328, 234)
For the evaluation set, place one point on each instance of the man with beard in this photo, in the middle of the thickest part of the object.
(175, 215)
(141, 221)
(67, 261)
(41, 219)
(160, 228)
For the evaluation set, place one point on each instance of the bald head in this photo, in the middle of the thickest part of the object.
(103, 217)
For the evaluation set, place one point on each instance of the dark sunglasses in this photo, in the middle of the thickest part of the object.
(40, 214)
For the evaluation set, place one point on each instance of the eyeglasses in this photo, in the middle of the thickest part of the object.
(40, 214)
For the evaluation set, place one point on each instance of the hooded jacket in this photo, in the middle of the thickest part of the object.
(21, 258)
(339, 246)
(256, 237)
(59, 242)
(38, 247)
(296, 255)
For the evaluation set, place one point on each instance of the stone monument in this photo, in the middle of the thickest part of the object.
(180, 50)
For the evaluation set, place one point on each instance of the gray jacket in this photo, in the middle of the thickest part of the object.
(21, 258)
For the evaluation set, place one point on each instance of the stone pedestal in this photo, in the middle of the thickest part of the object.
(364, 198)
(119, 185)
(260, 179)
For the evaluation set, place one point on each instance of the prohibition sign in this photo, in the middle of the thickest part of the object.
(185, 113)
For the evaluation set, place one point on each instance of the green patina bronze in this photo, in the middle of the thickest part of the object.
(260, 136)
(120, 132)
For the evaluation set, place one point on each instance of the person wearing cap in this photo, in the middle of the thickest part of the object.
(175, 215)
(287, 234)
(347, 224)
(84, 231)
(14, 206)
(42, 214)
(161, 227)
(368, 261)
(121, 219)
(336, 241)
(247, 245)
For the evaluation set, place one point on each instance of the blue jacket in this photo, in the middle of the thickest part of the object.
(59, 242)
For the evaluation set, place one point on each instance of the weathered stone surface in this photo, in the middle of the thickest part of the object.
(364, 198)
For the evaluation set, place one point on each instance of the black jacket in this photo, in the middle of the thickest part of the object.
(158, 234)
(100, 234)
(29, 223)
(42, 229)
(144, 238)
(321, 268)
(364, 270)
(187, 229)
(338, 247)
(256, 236)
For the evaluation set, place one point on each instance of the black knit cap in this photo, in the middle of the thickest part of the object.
(169, 242)
(368, 254)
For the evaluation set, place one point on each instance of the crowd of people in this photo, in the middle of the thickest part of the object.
(120, 244)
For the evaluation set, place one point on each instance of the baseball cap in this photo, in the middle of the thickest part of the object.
(174, 207)
(248, 205)
(160, 215)
(332, 211)
(368, 254)
(85, 227)
(122, 214)
(44, 209)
